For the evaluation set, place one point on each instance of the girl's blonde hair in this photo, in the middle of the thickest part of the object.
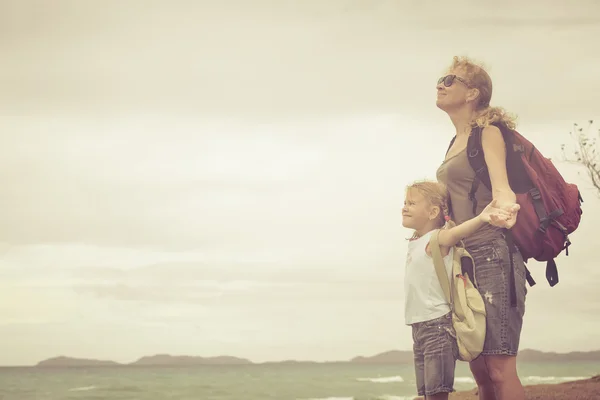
(437, 195)
(478, 78)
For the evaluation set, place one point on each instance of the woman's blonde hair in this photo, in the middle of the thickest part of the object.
(478, 78)
(437, 195)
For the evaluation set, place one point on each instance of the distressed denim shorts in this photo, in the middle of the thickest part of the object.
(492, 275)
(435, 353)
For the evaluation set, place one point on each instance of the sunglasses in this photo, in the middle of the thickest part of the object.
(448, 80)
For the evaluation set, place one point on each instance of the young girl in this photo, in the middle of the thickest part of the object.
(426, 310)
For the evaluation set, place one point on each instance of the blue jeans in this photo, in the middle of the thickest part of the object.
(435, 353)
(492, 275)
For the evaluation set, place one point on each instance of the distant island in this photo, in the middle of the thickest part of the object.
(166, 359)
(156, 360)
(75, 362)
(388, 357)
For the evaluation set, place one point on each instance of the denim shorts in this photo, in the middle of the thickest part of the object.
(435, 353)
(492, 275)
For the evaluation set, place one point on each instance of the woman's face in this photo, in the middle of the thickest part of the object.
(453, 91)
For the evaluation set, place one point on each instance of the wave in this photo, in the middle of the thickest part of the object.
(529, 379)
(382, 379)
(82, 389)
(329, 398)
(553, 379)
(464, 379)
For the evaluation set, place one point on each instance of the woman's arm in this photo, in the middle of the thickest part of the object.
(494, 150)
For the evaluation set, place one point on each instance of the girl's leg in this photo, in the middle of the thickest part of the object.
(441, 351)
(419, 361)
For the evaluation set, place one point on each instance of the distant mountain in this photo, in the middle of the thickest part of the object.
(388, 357)
(166, 359)
(75, 362)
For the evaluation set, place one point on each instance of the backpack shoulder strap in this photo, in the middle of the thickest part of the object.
(440, 268)
(450, 146)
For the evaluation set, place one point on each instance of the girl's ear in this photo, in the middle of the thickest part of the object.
(434, 213)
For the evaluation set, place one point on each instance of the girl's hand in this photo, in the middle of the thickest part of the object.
(495, 215)
(508, 218)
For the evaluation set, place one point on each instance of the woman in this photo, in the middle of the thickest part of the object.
(465, 94)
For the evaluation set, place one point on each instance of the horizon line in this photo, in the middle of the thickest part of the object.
(251, 362)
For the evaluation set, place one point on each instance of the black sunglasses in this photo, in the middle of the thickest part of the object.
(448, 80)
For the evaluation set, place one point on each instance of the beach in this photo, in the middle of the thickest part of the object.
(585, 389)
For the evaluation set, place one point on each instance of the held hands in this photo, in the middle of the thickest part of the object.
(500, 215)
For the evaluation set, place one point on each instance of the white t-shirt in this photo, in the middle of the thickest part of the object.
(424, 298)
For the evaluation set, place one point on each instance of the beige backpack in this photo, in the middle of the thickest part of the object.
(466, 303)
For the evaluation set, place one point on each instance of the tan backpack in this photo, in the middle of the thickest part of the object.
(466, 303)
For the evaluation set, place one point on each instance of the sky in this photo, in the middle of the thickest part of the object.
(227, 177)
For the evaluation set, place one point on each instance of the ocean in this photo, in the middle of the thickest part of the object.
(343, 381)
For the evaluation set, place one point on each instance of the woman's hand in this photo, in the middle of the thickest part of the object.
(493, 213)
(508, 218)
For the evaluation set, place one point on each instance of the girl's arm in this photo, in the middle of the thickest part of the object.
(449, 237)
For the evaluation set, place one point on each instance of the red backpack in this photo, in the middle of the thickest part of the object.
(550, 207)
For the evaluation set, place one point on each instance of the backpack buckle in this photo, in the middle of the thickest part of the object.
(519, 148)
(567, 244)
(535, 194)
(473, 152)
(544, 222)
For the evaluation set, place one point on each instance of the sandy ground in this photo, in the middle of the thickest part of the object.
(588, 389)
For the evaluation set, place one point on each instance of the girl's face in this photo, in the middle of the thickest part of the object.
(417, 211)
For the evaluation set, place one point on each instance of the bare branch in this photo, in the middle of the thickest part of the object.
(586, 152)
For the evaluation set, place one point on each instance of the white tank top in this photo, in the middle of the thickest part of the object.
(424, 298)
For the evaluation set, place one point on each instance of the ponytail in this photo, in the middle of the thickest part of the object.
(494, 115)
(446, 215)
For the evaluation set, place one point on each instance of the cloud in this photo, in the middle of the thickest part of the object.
(36, 306)
(181, 289)
(249, 186)
(310, 59)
